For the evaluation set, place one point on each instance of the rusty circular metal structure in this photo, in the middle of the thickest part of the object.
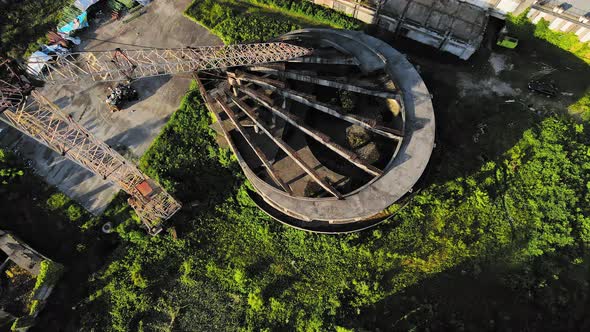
(331, 139)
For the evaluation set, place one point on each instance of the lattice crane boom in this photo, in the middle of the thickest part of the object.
(42, 120)
(131, 64)
(28, 111)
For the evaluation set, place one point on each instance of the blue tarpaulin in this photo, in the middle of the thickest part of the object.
(80, 22)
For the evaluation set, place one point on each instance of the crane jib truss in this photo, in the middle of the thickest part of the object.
(130, 64)
(27, 110)
(42, 120)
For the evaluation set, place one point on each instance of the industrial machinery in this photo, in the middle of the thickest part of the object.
(121, 93)
(24, 108)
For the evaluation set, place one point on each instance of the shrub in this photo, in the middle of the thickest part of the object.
(74, 212)
(24, 22)
(57, 201)
(7, 171)
(233, 23)
(253, 28)
(524, 29)
(582, 107)
(208, 12)
(49, 273)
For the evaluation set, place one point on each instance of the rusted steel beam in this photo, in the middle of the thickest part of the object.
(387, 94)
(256, 149)
(331, 110)
(210, 104)
(286, 148)
(318, 136)
(238, 75)
(335, 60)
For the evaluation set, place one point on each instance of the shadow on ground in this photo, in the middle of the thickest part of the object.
(482, 108)
(483, 105)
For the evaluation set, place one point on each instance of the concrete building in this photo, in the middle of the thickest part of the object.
(571, 16)
(20, 253)
(458, 26)
(499, 8)
(449, 25)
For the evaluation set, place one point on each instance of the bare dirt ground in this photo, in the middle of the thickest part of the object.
(132, 130)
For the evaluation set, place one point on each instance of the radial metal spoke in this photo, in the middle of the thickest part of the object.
(287, 149)
(318, 136)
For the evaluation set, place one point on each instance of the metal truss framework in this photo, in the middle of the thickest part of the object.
(131, 64)
(42, 120)
(35, 116)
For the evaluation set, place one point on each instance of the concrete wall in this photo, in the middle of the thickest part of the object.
(450, 25)
(563, 19)
(20, 253)
(360, 12)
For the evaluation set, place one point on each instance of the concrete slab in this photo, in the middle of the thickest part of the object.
(161, 25)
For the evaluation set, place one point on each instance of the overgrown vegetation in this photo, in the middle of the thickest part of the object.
(582, 107)
(528, 209)
(312, 12)
(524, 29)
(570, 42)
(49, 274)
(236, 21)
(15, 183)
(519, 224)
(8, 170)
(25, 22)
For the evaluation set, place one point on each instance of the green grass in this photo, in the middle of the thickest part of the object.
(527, 209)
(523, 218)
(238, 21)
(582, 107)
(524, 29)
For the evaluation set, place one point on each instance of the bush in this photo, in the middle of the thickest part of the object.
(234, 22)
(57, 201)
(48, 274)
(253, 28)
(7, 170)
(582, 107)
(74, 212)
(208, 12)
(524, 29)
